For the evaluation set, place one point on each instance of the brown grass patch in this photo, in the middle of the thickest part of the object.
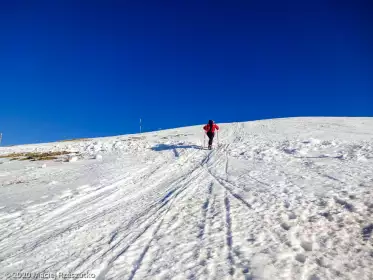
(137, 138)
(12, 155)
(35, 156)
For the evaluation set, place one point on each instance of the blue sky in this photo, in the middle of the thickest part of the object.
(92, 68)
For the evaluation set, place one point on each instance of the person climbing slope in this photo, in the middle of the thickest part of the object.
(210, 131)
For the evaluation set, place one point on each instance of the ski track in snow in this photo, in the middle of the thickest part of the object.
(276, 199)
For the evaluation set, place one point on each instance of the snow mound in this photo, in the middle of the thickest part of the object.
(98, 157)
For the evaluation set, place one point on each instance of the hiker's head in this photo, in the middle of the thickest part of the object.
(211, 122)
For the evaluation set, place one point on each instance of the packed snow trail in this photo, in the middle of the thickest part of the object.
(277, 199)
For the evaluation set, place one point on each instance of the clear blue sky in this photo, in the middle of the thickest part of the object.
(91, 68)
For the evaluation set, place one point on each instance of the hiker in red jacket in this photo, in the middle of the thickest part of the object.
(210, 131)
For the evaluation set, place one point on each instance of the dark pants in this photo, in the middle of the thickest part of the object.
(210, 135)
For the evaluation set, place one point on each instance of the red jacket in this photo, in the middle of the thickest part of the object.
(214, 126)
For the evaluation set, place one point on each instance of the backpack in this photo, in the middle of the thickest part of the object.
(211, 123)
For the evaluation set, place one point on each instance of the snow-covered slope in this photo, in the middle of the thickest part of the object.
(276, 199)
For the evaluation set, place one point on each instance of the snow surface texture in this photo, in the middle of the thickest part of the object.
(276, 199)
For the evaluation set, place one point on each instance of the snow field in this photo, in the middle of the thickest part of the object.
(277, 199)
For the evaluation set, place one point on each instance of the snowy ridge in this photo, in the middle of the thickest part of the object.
(276, 199)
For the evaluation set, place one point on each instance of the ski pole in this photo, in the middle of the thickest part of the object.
(204, 140)
(217, 134)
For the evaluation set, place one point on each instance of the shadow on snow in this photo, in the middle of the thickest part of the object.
(165, 147)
